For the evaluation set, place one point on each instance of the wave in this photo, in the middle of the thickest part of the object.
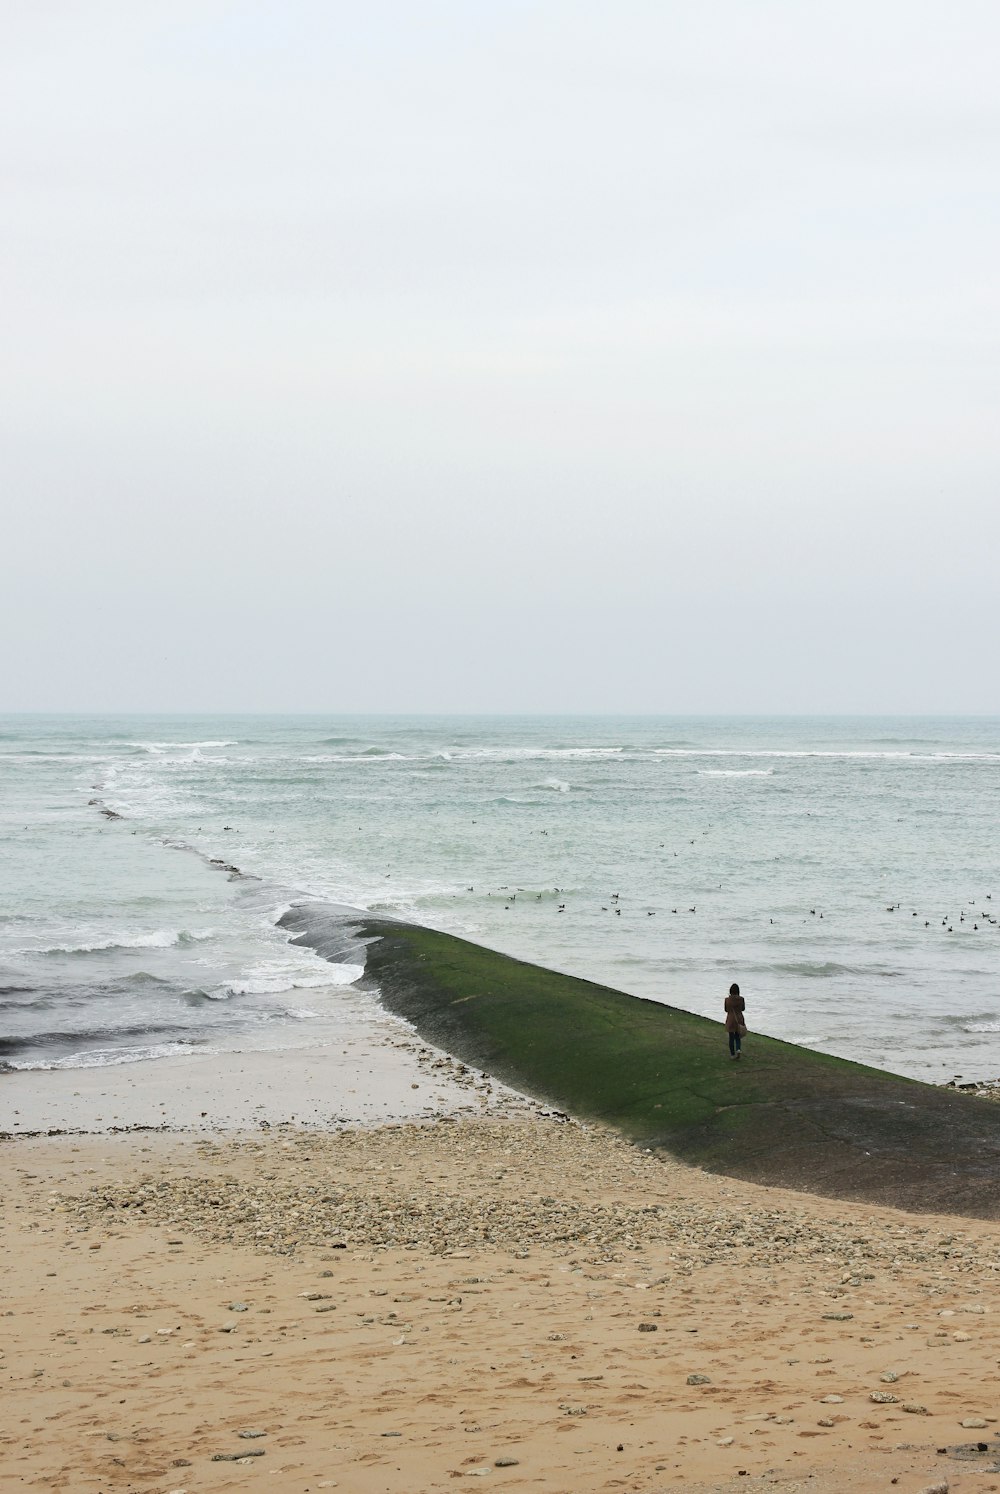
(197, 996)
(86, 1035)
(550, 786)
(595, 753)
(443, 756)
(159, 748)
(538, 754)
(440, 757)
(821, 971)
(103, 1058)
(836, 755)
(159, 939)
(36, 755)
(734, 772)
(272, 984)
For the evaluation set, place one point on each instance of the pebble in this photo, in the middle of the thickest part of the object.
(330, 1195)
(889, 1378)
(973, 1423)
(647, 1327)
(883, 1397)
(698, 1380)
(838, 1317)
(915, 1408)
(505, 1462)
(832, 1400)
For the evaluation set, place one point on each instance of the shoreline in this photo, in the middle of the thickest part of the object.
(379, 1073)
(462, 1028)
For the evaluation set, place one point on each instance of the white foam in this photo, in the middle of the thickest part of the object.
(103, 1058)
(458, 754)
(158, 748)
(759, 752)
(271, 981)
(538, 754)
(160, 939)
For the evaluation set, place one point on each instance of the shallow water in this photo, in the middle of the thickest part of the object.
(845, 872)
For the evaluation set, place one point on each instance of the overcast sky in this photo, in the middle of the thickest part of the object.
(484, 356)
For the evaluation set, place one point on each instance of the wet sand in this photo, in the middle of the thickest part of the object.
(378, 1073)
(511, 1298)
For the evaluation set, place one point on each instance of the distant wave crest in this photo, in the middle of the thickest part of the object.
(734, 772)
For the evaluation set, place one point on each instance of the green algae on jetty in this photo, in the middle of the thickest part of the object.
(784, 1115)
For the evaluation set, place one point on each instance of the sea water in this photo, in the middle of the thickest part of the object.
(843, 871)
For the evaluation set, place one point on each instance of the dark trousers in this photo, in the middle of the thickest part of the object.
(734, 1042)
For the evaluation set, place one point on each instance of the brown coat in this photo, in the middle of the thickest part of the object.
(735, 1007)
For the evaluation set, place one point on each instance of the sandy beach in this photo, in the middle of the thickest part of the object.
(505, 1295)
(379, 1072)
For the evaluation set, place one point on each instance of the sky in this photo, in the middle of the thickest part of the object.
(479, 356)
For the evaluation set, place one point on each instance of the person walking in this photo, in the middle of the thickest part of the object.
(735, 1025)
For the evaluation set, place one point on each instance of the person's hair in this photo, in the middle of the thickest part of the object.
(734, 989)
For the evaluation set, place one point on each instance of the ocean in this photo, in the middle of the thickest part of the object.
(843, 871)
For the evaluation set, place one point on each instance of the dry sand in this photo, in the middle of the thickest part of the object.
(510, 1299)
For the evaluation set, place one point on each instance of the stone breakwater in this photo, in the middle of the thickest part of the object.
(514, 1185)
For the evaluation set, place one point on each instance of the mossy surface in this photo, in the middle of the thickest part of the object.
(781, 1115)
